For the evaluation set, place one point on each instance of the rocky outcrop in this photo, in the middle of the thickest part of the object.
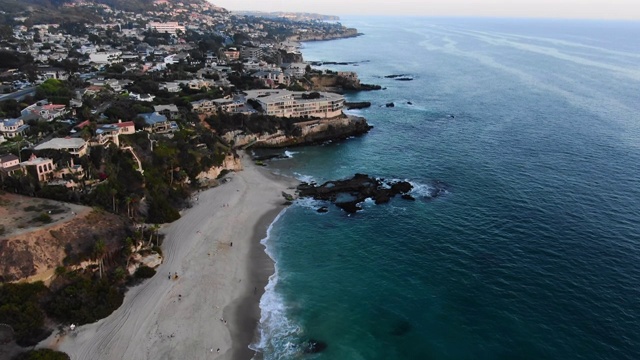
(315, 132)
(357, 105)
(336, 83)
(350, 193)
(230, 163)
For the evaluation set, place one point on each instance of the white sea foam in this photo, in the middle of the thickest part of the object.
(421, 190)
(289, 154)
(309, 203)
(278, 333)
(304, 178)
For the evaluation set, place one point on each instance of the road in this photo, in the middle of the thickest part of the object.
(19, 95)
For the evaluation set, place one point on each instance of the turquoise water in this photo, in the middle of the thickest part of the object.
(534, 251)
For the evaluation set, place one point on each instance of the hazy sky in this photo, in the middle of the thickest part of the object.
(591, 9)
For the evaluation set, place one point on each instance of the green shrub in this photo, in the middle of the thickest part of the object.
(144, 272)
(43, 218)
(20, 308)
(85, 300)
(42, 354)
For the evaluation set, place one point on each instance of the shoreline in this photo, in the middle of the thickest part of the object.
(211, 311)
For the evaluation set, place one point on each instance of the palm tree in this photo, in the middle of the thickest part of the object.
(113, 198)
(99, 252)
(154, 230)
(128, 200)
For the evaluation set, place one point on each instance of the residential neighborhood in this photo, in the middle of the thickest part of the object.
(72, 87)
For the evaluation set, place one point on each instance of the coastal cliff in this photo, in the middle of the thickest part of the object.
(34, 252)
(335, 83)
(313, 36)
(308, 132)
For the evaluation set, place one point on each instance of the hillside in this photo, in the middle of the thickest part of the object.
(43, 11)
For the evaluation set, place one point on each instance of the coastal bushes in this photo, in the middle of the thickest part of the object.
(84, 300)
(20, 308)
(42, 354)
(144, 272)
(254, 123)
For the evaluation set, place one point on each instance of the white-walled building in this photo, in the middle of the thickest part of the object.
(166, 27)
(108, 58)
(284, 103)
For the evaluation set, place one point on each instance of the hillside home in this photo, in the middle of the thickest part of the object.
(40, 168)
(11, 128)
(74, 146)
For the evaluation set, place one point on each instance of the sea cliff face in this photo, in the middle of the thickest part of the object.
(311, 132)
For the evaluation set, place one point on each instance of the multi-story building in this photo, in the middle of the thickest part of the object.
(41, 168)
(284, 103)
(106, 58)
(166, 27)
(251, 53)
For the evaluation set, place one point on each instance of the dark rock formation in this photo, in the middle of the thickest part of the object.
(323, 209)
(409, 103)
(357, 105)
(314, 346)
(408, 197)
(287, 197)
(348, 194)
(390, 104)
(395, 76)
(366, 87)
(403, 79)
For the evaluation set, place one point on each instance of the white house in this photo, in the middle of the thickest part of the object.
(106, 58)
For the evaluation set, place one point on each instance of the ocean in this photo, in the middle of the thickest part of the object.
(533, 251)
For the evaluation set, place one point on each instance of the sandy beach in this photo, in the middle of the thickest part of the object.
(222, 271)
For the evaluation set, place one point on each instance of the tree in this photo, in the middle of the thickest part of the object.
(99, 252)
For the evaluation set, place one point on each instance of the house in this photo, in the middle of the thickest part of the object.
(156, 122)
(9, 164)
(41, 168)
(172, 87)
(44, 111)
(170, 111)
(104, 134)
(142, 97)
(11, 128)
(295, 70)
(230, 105)
(126, 128)
(272, 78)
(231, 54)
(204, 106)
(74, 146)
(71, 170)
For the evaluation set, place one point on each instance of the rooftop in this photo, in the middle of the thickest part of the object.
(61, 144)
